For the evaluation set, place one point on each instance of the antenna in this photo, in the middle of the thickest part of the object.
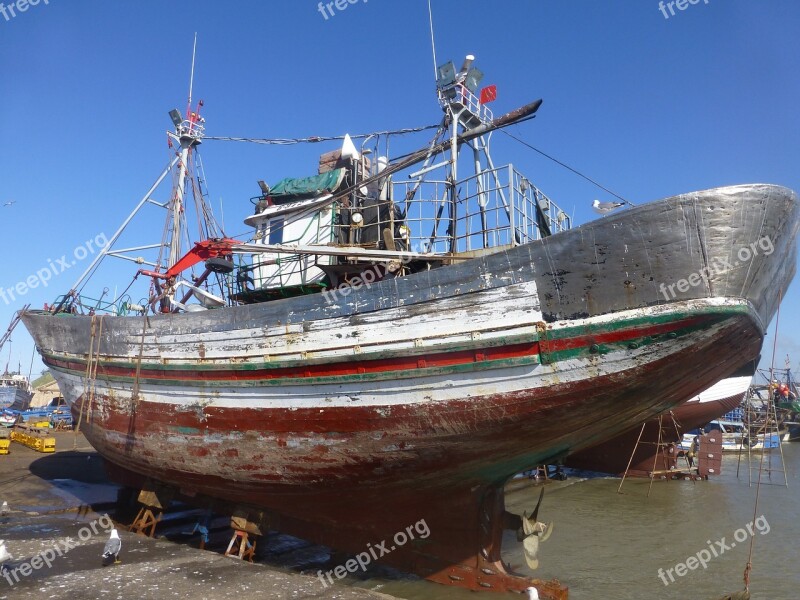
(433, 42)
(191, 77)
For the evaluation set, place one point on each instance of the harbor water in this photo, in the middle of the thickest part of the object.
(623, 545)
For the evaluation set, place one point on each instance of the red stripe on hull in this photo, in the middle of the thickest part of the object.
(205, 372)
(208, 372)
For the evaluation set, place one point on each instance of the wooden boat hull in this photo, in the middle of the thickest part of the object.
(348, 418)
(14, 398)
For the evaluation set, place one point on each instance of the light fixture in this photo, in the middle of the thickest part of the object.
(175, 115)
(445, 75)
(473, 79)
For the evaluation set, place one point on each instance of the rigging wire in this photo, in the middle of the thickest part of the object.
(566, 166)
(314, 139)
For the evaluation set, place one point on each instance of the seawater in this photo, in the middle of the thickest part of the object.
(609, 545)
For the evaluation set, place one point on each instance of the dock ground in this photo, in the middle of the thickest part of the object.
(60, 513)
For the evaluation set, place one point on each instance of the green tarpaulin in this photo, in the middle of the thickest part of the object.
(308, 186)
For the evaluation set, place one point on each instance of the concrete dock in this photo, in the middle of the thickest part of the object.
(60, 511)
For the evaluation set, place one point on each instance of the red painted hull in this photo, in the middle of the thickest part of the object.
(452, 482)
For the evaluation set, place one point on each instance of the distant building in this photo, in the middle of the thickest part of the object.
(44, 394)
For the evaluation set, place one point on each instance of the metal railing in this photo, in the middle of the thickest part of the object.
(458, 97)
(494, 209)
(192, 127)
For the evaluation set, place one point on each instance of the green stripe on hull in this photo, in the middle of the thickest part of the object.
(716, 314)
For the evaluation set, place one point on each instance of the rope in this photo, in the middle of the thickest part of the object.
(135, 394)
(90, 380)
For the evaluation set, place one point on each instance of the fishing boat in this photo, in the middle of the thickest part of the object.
(775, 389)
(780, 386)
(8, 418)
(15, 391)
(656, 444)
(398, 338)
(754, 425)
(57, 406)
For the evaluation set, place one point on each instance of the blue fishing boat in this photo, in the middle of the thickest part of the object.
(15, 392)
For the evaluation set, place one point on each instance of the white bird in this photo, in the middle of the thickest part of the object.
(112, 548)
(4, 509)
(533, 593)
(4, 555)
(605, 207)
(10, 202)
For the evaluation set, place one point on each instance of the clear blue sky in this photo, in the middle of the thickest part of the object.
(649, 106)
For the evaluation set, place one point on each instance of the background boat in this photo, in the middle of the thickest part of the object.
(656, 444)
(15, 391)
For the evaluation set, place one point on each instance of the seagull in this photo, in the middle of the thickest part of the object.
(605, 207)
(10, 202)
(112, 548)
(4, 555)
(533, 593)
(4, 509)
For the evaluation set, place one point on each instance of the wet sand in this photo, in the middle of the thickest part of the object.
(57, 527)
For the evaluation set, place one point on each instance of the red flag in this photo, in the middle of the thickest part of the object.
(488, 94)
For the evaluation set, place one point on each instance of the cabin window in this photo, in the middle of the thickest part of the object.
(276, 231)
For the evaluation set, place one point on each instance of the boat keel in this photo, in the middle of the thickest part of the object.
(485, 570)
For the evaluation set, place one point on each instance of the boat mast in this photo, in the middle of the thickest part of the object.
(466, 114)
(188, 133)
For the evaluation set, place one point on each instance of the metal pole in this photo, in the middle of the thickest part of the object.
(482, 200)
(453, 180)
(177, 201)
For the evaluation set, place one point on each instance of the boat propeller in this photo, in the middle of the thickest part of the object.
(531, 532)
